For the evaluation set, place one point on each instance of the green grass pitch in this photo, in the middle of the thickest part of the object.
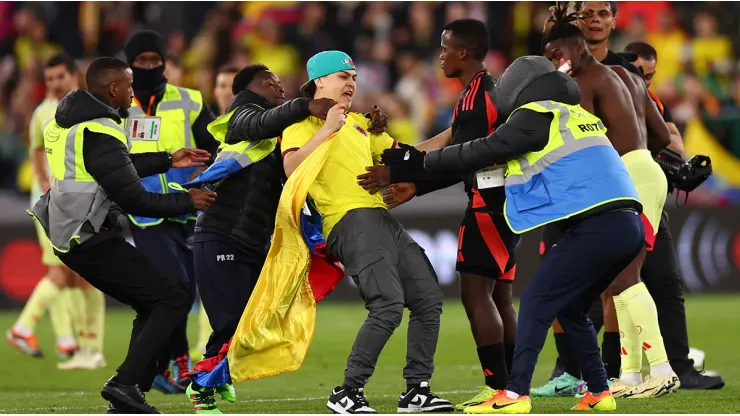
(35, 385)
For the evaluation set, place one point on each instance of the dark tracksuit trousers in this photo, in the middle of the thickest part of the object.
(583, 263)
(663, 280)
(113, 266)
(226, 277)
(166, 245)
(391, 271)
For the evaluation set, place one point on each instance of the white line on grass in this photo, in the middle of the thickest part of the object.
(170, 403)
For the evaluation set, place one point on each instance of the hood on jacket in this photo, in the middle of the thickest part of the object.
(79, 106)
(534, 78)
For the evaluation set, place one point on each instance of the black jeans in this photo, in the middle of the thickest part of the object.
(122, 272)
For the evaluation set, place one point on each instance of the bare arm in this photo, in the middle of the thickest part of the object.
(38, 164)
(676, 139)
(437, 142)
(659, 136)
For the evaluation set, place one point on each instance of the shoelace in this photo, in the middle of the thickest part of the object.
(206, 400)
(360, 398)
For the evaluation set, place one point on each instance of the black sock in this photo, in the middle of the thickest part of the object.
(570, 362)
(493, 361)
(610, 348)
(509, 356)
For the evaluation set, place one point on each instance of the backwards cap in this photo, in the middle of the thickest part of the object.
(326, 63)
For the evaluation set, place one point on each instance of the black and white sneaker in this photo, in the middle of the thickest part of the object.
(345, 400)
(421, 399)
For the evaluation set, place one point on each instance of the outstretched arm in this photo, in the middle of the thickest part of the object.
(526, 131)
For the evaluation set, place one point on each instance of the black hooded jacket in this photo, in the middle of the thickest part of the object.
(108, 160)
(246, 201)
(526, 131)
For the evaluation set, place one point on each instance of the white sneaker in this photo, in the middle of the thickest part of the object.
(84, 359)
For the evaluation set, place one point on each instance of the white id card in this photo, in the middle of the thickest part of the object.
(144, 128)
(492, 177)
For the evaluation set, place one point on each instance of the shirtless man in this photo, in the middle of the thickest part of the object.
(605, 94)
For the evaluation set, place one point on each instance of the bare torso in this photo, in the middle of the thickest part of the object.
(638, 91)
(605, 95)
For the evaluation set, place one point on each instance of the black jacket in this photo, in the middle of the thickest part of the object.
(525, 131)
(114, 169)
(246, 201)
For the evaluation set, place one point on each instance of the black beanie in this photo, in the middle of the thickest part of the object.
(144, 41)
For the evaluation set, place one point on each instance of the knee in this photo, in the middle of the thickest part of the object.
(388, 316)
(177, 299)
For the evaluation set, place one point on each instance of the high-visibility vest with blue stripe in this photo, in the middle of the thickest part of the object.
(178, 109)
(75, 207)
(232, 157)
(577, 171)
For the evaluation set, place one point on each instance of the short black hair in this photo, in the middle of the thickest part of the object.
(62, 59)
(473, 35)
(643, 49)
(562, 26)
(245, 76)
(100, 70)
(612, 5)
(228, 69)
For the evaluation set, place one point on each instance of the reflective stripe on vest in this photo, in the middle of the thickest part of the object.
(185, 103)
(578, 170)
(522, 170)
(232, 157)
(75, 199)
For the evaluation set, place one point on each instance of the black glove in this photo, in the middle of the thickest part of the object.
(681, 175)
(406, 163)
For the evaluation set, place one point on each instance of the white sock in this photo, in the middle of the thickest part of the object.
(511, 395)
(66, 341)
(661, 370)
(631, 379)
(22, 330)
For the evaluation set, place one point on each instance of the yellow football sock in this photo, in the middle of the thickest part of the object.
(78, 312)
(95, 313)
(644, 315)
(630, 351)
(61, 322)
(204, 329)
(44, 295)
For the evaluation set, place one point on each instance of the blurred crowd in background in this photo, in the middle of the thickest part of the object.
(394, 44)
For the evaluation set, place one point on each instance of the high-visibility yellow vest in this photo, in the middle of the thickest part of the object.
(578, 170)
(75, 199)
(245, 152)
(178, 109)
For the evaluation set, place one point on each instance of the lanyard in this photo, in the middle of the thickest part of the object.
(151, 101)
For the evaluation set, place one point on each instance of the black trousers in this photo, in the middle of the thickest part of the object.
(663, 280)
(122, 272)
(166, 245)
(226, 277)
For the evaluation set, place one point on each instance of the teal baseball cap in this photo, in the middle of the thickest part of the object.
(326, 63)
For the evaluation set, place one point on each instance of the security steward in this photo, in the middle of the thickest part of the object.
(91, 170)
(555, 169)
(166, 118)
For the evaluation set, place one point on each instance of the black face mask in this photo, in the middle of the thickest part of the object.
(149, 80)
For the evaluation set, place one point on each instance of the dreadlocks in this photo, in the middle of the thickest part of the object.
(559, 25)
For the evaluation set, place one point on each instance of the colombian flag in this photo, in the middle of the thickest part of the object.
(277, 325)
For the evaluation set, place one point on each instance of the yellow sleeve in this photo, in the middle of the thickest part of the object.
(36, 132)
(294, 137)
(379, 143)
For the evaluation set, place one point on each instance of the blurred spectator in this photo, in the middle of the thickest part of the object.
(710, 51)
(173, 71)
(223, 92)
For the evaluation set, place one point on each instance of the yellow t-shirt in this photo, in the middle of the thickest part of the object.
(43, 112)
(335, 191)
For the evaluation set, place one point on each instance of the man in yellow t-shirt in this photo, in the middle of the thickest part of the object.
(70, 300)
(389, 267)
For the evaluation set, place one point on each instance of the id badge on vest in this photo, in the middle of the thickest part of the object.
(492, 177)
(144, 128)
